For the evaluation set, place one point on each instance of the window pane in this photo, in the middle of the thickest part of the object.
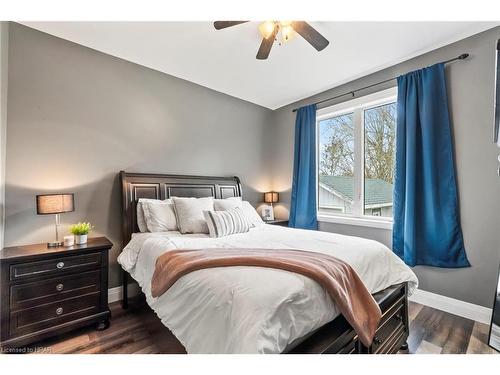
(336, 163)
(380, 143)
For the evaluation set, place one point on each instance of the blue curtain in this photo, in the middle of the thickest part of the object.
(426, 219)
(303, 205)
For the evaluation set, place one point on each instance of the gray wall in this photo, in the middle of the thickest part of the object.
(4, 48)
(470, 89)
(76, 117)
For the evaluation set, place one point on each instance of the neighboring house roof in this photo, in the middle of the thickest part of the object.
(377, 192)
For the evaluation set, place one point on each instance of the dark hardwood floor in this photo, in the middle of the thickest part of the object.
(138, 330)
(434, 331)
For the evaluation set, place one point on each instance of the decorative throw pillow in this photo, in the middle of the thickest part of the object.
(189, 213)
(227, 204)
(224, 223)
(251, 214)
(159, 215)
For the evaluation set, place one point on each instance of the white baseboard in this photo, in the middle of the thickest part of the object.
(116, 294)
(454, 306)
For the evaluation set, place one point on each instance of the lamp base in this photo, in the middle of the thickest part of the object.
(54, 244)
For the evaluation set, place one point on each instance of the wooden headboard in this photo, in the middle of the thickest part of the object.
(163, 186)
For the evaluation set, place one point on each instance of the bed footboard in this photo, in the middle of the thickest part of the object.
(339, 337)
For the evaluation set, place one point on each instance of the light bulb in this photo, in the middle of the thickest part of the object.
(266, 29)
(286, 32)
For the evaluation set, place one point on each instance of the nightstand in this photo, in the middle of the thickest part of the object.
(280, 222)
(49, 291)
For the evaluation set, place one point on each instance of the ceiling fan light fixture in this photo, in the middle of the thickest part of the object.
(266, 29)
(270, 29)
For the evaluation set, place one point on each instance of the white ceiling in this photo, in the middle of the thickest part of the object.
(225, 60)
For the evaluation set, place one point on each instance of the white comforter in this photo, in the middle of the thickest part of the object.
(252, 309)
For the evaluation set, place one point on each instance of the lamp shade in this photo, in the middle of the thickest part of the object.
(48, 204)
(271, 197)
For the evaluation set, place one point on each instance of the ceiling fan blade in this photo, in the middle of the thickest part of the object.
(310, 34)
(266, 45)
(224, 24)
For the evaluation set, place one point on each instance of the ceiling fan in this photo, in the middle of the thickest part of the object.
(270, 29)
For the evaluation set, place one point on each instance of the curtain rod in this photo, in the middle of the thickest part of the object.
(463, 56)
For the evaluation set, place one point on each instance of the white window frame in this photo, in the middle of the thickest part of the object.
(356, 106)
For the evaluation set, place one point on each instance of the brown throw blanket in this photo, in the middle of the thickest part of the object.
(337, 277)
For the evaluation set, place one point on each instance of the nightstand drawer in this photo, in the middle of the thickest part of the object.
(54, 266)
(51, 314)
(55, 289)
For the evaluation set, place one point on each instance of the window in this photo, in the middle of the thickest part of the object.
(356, 151)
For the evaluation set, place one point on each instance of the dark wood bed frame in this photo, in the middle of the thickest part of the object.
(336, 336)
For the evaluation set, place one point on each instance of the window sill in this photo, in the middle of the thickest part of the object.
(364, 222)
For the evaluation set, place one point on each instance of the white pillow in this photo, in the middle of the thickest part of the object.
(227, 204)
(189, 212)
(224, 223)
(141, 221)
(251, 214)
(159, 215)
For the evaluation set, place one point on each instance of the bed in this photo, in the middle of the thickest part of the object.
(251, 309)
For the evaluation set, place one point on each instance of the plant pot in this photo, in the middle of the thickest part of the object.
(81, 239)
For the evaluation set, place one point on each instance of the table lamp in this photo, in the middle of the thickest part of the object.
(55, 204)
(271, 197)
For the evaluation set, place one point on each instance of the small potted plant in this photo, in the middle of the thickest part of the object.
(80, 231)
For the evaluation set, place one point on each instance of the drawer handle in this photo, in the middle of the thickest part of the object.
(399, 317)
(59, 310)
(60, 265)
(59, 287)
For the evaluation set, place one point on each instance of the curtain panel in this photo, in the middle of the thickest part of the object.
(303, 203)
(426, 218)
